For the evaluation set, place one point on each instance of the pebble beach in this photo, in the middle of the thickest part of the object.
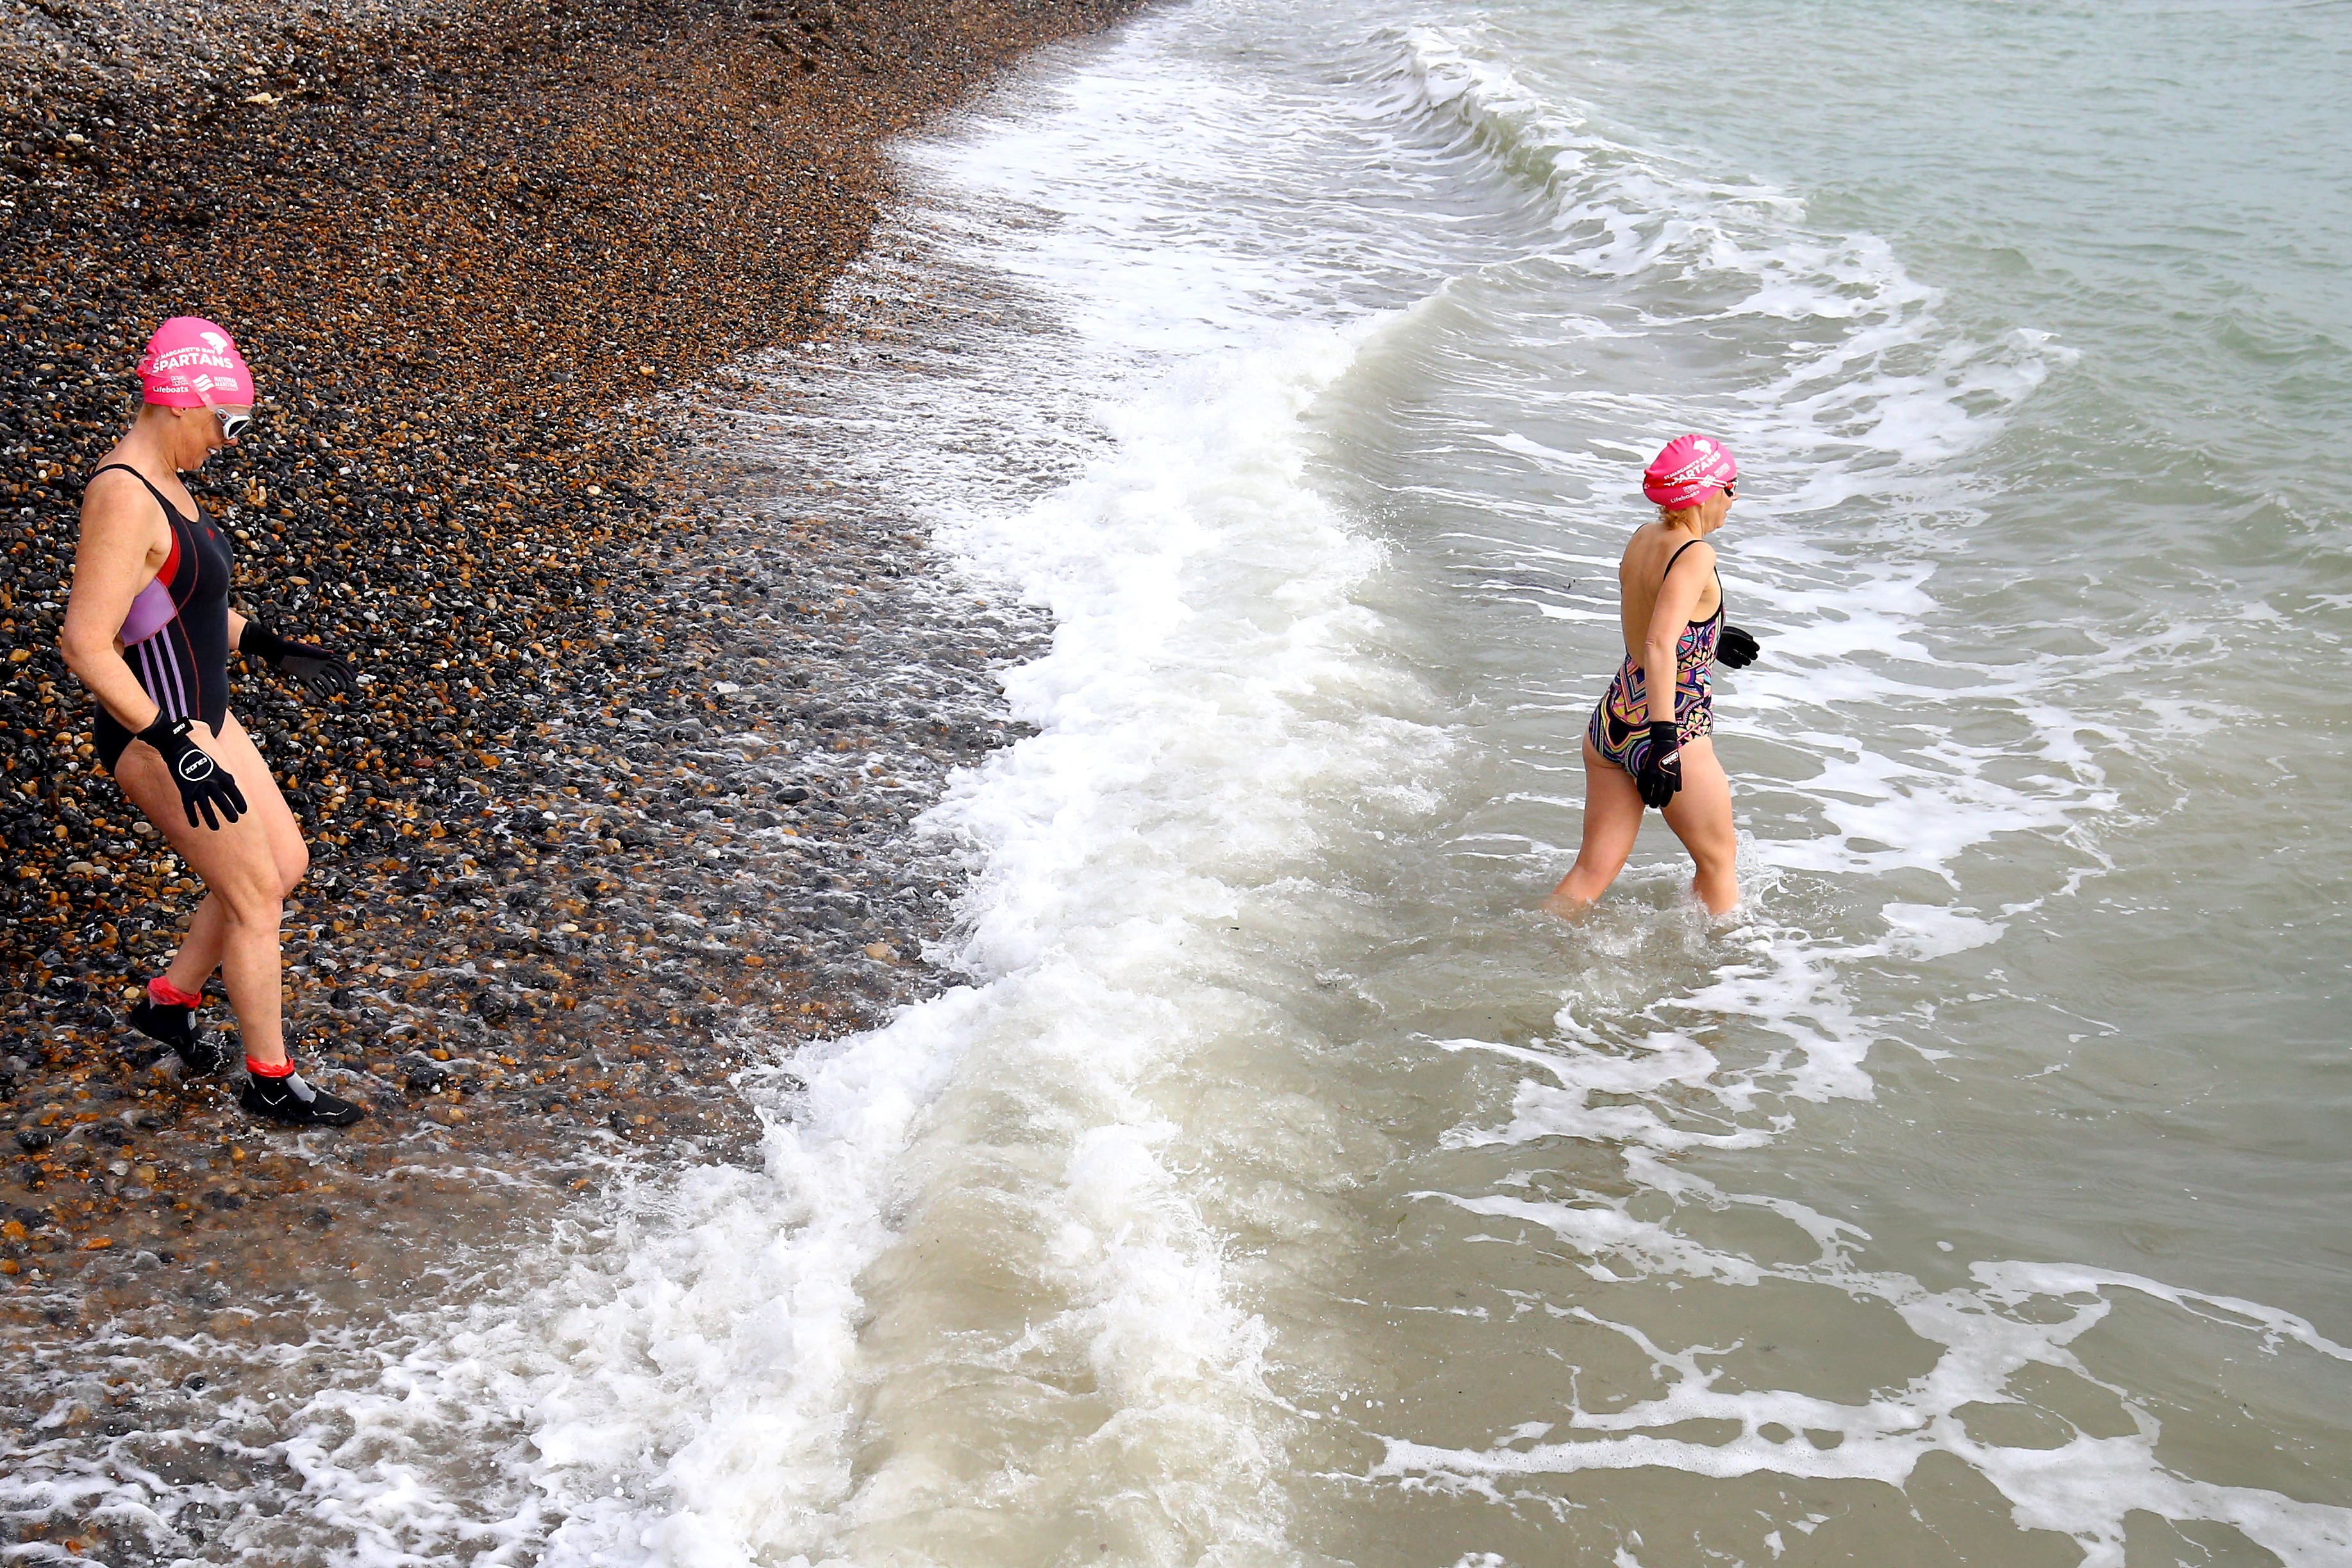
(646, 714)
(979, 624)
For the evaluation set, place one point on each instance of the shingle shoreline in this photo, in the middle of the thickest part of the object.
(477, 261)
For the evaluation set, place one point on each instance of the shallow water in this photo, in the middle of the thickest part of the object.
(1282, 1189)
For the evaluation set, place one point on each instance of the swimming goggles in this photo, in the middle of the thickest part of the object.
(233, 424)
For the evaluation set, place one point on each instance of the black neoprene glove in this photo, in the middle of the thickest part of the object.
(1736, 648)
(1661, 765)
(205, 785)
(314, 666)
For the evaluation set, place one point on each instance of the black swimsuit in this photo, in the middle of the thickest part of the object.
(183, 664)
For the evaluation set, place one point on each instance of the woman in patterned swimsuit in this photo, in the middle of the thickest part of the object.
(1671, 607)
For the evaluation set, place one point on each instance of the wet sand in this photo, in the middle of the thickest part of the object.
(622, 811)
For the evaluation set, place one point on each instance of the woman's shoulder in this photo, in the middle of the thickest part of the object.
(109, 474)
(1653, 545)
(109, 486)
(1697, 553)
(119, 496)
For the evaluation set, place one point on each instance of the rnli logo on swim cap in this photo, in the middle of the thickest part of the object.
(193, 767)
(202, 383)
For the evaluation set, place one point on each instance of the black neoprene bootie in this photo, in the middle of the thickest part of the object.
(200, 1053)
(288, 1097)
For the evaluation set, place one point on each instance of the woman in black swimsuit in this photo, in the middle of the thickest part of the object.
(148, 629)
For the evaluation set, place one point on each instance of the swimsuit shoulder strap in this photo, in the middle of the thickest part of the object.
(173, 512)
(1669, 571)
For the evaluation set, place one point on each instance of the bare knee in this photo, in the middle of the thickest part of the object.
(255, 914)
(249, 906)
(291, 868)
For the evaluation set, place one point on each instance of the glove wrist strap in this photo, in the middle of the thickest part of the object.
(259, 642)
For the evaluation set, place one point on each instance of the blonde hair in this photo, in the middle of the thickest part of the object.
(1675, 516)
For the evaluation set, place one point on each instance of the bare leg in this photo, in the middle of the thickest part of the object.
(1700, 815)
(247, 866)
(1612, 820)
(200, 949)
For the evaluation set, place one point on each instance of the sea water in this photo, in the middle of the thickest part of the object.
(1278, 1186)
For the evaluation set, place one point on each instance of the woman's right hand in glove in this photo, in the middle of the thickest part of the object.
(204, 786)
(1660, 773)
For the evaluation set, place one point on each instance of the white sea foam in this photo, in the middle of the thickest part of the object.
(972, 1209)
(2013, 1317)
(1044, 1269)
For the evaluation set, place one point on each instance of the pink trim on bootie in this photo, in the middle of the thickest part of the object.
(164, 994)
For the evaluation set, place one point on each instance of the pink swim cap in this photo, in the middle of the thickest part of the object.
(192, 363)
(1687, 469)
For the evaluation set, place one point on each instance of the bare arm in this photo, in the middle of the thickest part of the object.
(122, 534)
(1669, 617)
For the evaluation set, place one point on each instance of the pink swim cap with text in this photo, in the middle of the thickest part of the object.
(193, 364)
(1686, 469)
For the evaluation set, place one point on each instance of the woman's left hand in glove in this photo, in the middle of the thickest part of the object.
(322, 671)
(1736, 648)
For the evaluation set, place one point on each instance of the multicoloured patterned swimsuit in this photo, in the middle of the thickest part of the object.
(1619, 730)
